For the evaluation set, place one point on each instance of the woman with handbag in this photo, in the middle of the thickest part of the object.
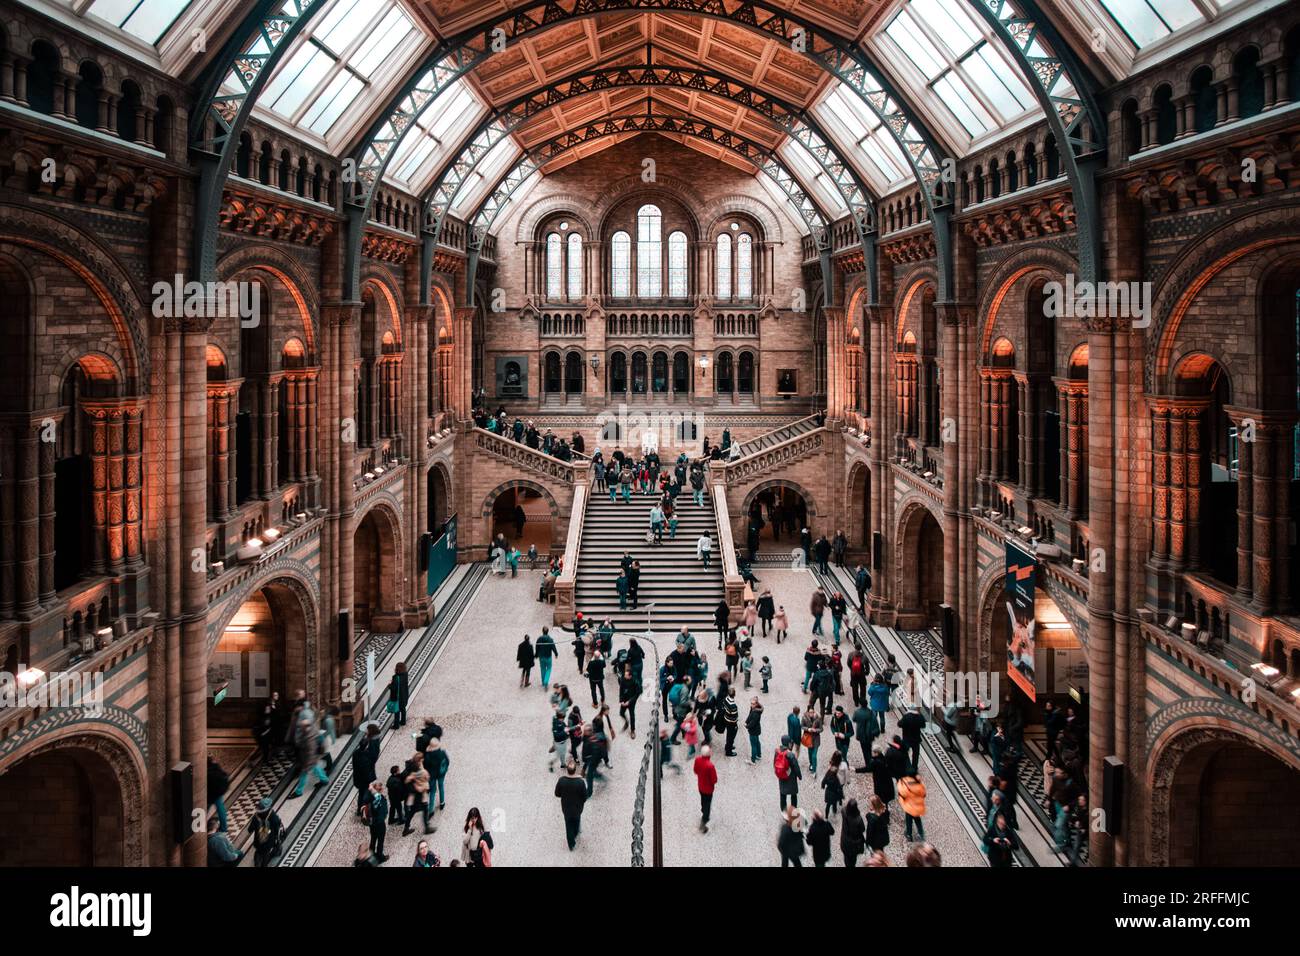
(399, 694)
(476, 845)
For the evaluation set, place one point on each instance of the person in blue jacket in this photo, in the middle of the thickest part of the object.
(878, 698)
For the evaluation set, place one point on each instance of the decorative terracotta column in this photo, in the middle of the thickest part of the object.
(1072, 402)
(221, 467)
(1241, 418)
(133, 487)
(1271, 533)
(1187, 465)
(984, 478)
(27, 520)
(268, 392)
(1024, 432)
(48, 456)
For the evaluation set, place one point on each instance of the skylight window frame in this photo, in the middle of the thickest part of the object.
(390, 69)
(947, 119)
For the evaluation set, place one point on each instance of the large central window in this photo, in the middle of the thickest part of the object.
(649, 261)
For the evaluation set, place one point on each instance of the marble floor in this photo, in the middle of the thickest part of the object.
(497, 735)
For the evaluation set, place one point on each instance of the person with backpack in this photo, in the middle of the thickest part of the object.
(785, 764)
(839, 607)
(882, 781)
(858, 677)
(268, 833)
(754, 727)
(910, 726)
(375, 813)
(862, 583)
(596, 676)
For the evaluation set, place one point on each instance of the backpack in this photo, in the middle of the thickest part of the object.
(781, 764)
(855, 665)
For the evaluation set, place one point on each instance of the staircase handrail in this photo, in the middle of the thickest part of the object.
(537, 460)
(566, 583)
(787, 426)
(733, 584)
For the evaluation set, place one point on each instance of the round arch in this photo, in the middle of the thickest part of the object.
(259, 259)
(1039, 259)
(376, 569)
(919, 548)
(97, 765)
(1182, 757)
(490, 501)
(779, 484)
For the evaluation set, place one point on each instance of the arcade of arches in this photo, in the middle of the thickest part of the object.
(216, 496)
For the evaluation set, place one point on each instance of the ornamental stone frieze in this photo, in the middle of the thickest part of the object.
(269, 218)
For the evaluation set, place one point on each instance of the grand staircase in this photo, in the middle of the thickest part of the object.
(683, 592)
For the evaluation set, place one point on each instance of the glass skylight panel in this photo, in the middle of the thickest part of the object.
(338, 96)
(291, 86)
(995, 78)
(342, 22)
(950, 22)
(485, 176)
(1146, 21)
(904, 31)
(957, 96)
(146, 19)
(396, 27)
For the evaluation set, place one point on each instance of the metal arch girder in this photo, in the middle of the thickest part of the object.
(248, 58)
(838, 56)
(441, 195)
(485, 215)
(1064, 91)
(480, 223)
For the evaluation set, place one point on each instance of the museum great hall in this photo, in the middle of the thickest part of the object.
(972, 284)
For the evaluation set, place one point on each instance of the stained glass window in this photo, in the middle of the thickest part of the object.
(554, 267)
(649, 252)
(677, 265)
(575, 267)
(723, 252)
(745, 266)
(621, 265)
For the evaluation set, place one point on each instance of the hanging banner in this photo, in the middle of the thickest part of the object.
(1019, 594)
(441, 557)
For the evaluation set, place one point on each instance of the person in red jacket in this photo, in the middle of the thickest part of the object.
(707, 776)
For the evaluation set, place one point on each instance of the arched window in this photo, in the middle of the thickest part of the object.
(649, 252)
(723, 282)
(554, 267)
(621, 265)
(745, 266)
(677, 265)
(575, 266)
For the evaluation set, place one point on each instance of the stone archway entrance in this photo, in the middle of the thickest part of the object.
(920, 570)
(375, 601)
(74, 803)
(1220, 800)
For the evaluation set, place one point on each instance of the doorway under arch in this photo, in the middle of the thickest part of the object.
(775, 518)
(920, 571)
(523, 517)
(1201, 786)
(104, 826)
(375, 601)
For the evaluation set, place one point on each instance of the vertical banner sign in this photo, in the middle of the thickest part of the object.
(442, 555)
(1020, 607)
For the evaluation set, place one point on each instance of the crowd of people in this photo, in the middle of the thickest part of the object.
(526, 433)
